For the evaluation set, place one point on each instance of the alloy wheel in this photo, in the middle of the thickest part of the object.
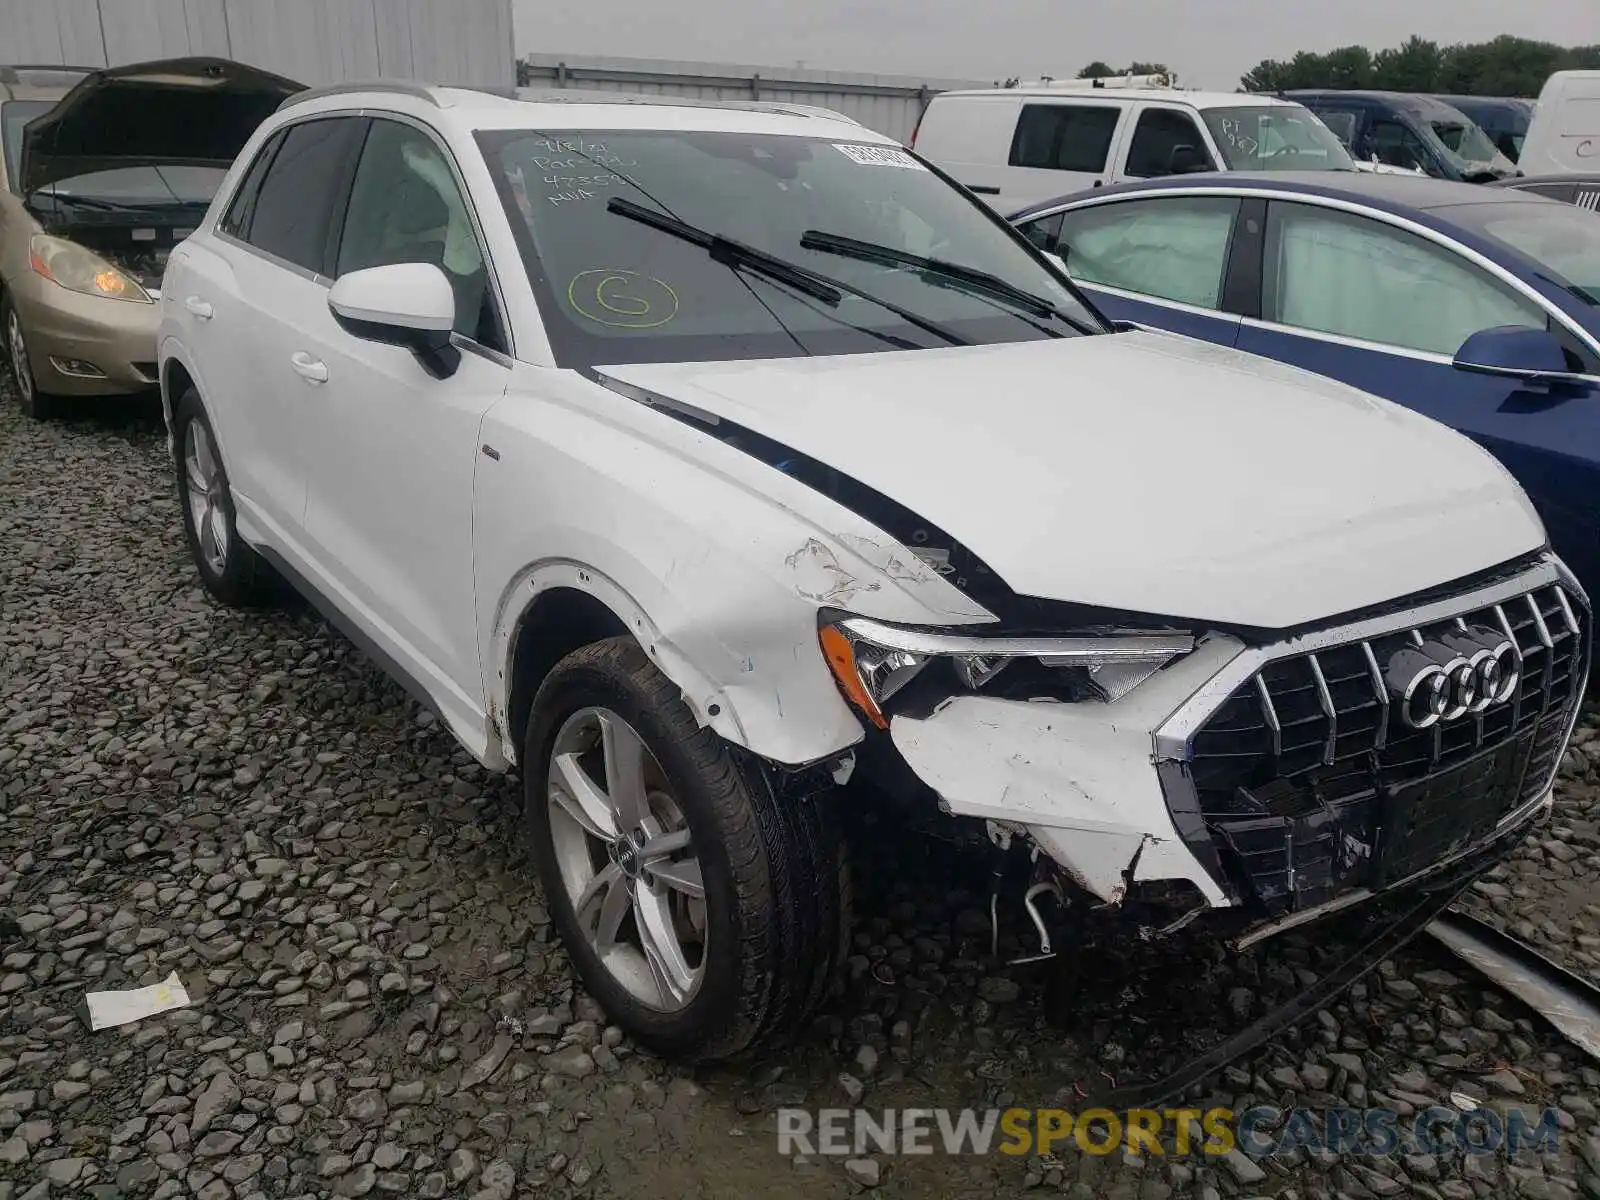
(626, 859)
(21, 370)
(205, 491)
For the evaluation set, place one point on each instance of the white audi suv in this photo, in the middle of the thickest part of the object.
(708, 464)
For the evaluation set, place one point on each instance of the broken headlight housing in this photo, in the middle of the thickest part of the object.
(874, 662)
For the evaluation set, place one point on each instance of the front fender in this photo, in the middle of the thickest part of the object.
(813, 723)
(717, 562)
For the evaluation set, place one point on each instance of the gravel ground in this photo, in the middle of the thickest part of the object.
(378, 1004)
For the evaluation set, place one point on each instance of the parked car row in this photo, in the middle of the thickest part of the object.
(699, 459)
(1413, 132)
(1016, 146)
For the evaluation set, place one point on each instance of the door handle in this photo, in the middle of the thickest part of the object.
(307, 367)
(199, 308)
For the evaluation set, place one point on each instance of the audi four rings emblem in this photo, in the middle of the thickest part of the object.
(1453, 675)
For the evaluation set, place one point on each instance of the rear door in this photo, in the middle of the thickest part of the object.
(970, 136)
(1158, 260)
(1386, 309)
(243, 291)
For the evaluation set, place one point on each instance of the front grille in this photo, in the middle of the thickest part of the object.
(1308, 781)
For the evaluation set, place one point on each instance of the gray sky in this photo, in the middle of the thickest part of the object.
(1210, 43)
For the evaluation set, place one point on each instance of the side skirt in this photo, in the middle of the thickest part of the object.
(358, 636)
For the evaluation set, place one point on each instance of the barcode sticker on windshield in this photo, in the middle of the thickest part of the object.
(877, 156)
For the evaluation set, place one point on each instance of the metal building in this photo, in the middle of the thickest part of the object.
(465, 42)
(891, 104)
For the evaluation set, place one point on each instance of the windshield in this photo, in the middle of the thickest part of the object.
(1464, 146)
(1465, 140)
(14, 114)
(1563, 240)
(615, 288)
(1278, 137)
(142, 186)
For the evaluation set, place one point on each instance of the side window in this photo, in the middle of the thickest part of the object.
(236, 221)
(1166, 142)
(1173, 248)
(1042, 231)
(1064, 137)
(293, 210)
(406, 207)
(1338, 273)
(1397, 146)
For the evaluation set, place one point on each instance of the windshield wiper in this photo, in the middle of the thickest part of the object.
(79, 201)
(96, 204)
(740, 257)
(938, 272)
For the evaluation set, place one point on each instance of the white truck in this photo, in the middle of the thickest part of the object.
(1016, 146)
(1564, 136)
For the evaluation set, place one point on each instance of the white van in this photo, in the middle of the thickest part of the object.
(1016, 146)
(1564, 137)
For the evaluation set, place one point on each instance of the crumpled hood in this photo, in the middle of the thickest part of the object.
(188, 111)
(1141, 471)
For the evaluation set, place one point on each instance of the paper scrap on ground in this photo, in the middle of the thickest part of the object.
(108, 1009)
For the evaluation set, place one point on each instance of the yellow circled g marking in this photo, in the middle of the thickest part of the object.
(622, 299)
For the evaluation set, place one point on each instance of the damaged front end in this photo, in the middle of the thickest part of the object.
(1194, 800)
(1241, 786)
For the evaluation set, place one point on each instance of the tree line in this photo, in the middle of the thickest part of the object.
(1506, 66)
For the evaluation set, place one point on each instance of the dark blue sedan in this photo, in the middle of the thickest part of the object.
(1479, 307)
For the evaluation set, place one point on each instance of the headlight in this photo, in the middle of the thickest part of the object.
(81, 270)
(873, 662)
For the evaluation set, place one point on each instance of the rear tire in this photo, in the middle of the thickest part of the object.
(762, 942)
(230, 569)
(34, 403)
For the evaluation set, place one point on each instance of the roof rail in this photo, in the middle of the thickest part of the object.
(1099, 81)
(399, 87)
(11, 72)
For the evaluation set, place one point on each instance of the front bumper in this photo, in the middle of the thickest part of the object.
(82, 345)
(1397, 918)
(1143, 792)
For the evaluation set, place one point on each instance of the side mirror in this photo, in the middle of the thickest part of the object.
(403, 304)
(1517, 352)
(1186, 160)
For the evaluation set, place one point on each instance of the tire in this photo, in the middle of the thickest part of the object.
(230, 570)
(773, 918)
(34, 403)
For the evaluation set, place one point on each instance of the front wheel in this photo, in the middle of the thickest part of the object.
(35, 404)
(702, 910)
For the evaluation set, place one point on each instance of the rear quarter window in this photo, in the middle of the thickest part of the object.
(236, 221)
